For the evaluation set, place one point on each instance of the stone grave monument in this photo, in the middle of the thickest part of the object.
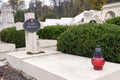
(31, 25)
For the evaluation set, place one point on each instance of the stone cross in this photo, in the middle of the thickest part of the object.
(30, 38)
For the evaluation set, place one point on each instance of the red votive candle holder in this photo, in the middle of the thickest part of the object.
(97, 60)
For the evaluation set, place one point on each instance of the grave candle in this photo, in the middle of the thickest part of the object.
(98, 60)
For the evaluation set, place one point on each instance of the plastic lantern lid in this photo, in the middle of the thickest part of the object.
(98, 51)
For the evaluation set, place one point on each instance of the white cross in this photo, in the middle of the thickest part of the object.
(30, 38)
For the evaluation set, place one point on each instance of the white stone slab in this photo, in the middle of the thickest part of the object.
(67, 67)
(15, 58)
(2, 56)
(4, 47)
(19, 25)
(2, 63)
(46, 43)
(66, 20)
(39, 73)
(112, 76)
(51, 22)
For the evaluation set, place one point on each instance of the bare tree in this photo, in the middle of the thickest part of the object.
(17, 4)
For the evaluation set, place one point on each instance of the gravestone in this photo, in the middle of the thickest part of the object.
(30, 38)
(31, 26)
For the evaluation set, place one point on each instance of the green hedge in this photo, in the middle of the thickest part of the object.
(81, 40)
(11, 35)
(115, 21)
(51, 32)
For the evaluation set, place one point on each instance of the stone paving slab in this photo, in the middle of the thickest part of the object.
(72, 67)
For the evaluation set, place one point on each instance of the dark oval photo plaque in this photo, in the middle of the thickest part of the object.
(31, 25)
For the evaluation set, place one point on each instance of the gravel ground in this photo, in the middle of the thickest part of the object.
(9, 73)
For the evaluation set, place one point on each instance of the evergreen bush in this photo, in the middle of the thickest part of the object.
(115, 21)
(49, 15)
(51, 32)
(19, 16)
(11, 35)
(82, 39)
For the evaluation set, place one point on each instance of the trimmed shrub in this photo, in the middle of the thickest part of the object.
(49, 15)
(81, 40)
(115, 21)
(11, 35)
(51, 32)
